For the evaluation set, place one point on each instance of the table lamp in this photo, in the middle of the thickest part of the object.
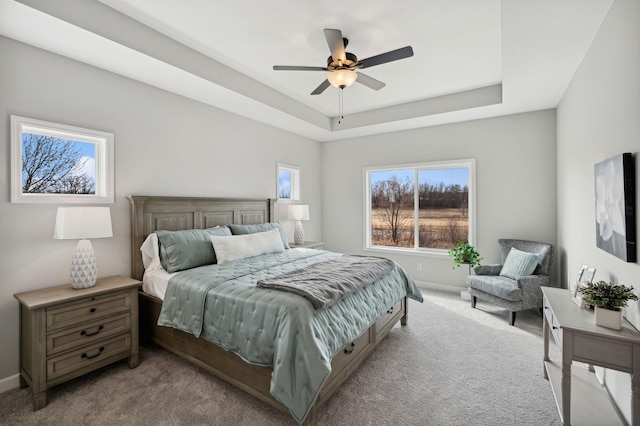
(82, 223)
(298, 212)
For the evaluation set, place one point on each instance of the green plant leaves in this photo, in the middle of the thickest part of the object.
(608, 295)
(464, 253)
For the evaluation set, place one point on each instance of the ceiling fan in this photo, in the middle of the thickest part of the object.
(342, 65)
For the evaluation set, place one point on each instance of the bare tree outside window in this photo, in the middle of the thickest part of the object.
(392, 201)
(53, 165)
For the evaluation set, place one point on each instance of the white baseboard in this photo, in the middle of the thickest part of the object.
(9, 383)
(439, 287)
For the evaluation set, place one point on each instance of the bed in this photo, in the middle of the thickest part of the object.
(323, 360)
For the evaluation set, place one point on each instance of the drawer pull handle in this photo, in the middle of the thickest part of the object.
(554, 327)
(390, 311)
(84, 332)
(92, 310)
(348, 350)
(92, 356)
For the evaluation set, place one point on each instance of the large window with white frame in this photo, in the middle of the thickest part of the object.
(423, 207)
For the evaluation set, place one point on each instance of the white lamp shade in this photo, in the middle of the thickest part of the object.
(75, 223)
(299, 212)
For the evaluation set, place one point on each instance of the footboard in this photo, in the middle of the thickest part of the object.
(253, 379)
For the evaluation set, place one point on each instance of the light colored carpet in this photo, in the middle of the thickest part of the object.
(452, 365)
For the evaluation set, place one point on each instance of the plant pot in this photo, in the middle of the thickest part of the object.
(608, 318)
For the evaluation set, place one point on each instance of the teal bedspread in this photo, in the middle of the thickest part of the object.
(222, 304)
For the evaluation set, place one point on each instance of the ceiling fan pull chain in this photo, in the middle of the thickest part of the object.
(340, 105)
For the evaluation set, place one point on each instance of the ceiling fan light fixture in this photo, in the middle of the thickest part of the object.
(342, 78)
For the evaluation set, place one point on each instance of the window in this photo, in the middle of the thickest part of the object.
(420, 207)
(288, 182)
(57, 163)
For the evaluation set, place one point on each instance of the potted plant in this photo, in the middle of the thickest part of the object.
(464, 252)
(608, 299)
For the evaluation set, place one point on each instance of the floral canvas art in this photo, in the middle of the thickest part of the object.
(615, 206)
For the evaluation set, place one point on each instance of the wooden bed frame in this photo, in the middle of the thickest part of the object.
(151, 213)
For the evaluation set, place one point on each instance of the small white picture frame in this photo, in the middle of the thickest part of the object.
(585, 275)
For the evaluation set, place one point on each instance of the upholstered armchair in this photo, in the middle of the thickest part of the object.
(515, 283)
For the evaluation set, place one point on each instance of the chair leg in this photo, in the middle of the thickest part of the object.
(512, 317)
(473, 302)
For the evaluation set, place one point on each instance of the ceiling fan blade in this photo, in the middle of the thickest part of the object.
(321, 88)
(336, 44)
(383, 58)
(370, 82)
(297, 68)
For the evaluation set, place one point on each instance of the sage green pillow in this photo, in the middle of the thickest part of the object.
(189, 248)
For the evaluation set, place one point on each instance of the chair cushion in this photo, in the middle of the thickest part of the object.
(502, 287)
(519, 264)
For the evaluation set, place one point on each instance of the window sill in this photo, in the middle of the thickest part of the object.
(435, 253)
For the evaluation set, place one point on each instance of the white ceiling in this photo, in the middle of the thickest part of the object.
(472, 58)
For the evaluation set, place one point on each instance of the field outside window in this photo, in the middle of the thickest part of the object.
(422, 207)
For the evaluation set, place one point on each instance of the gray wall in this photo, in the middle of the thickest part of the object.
(515, 184)
(598, 118)
(164, 145)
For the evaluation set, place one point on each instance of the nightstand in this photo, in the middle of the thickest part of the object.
(65, 333)
(319, 245)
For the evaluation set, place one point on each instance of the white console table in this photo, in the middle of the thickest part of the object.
(581, 340)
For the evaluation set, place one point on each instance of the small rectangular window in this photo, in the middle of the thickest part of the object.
(58, 163)
(288, 184)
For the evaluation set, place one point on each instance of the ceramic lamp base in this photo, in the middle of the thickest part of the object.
(298, 233)
(84, 268)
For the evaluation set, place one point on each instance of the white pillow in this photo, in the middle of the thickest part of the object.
(151, 253)
(235, 247)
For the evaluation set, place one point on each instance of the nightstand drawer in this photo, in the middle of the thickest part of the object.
(552, 321)
(87, 357)
(88, 333)
(84, 310)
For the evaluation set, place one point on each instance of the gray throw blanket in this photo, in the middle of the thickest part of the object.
(324, 283)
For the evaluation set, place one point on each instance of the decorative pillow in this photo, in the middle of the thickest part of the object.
(248, 245)
(150, 253)
(189, 248)
(519, 264)
(261, 227)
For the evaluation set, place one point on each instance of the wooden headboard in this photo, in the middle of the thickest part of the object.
(152, 213)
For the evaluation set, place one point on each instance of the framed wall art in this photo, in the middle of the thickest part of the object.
(615, 206)
(58, 163)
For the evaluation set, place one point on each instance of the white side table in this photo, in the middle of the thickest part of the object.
(579, 339)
